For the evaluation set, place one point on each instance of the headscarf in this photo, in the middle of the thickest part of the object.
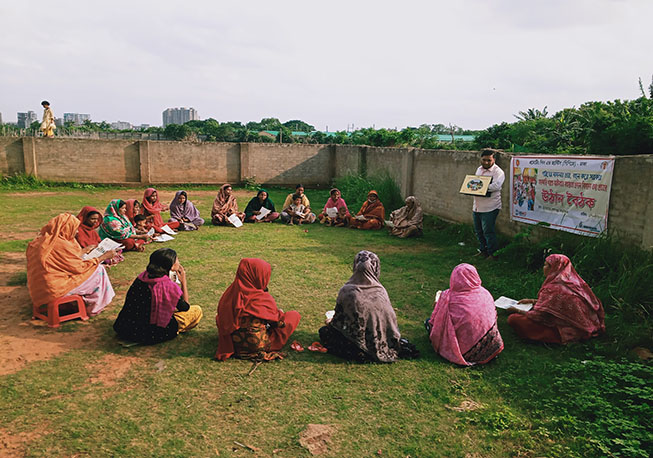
(87, 235)
(255, 204)
(364, 314)
(223, 203)
(565, 295)
(373, 210)
(54, 265)
(338, 203)
(153, 209)
(186, 210)
(131, 203)
(462, 316)
(408, 216)
(247, 295)
(165, 296)
(115, 225)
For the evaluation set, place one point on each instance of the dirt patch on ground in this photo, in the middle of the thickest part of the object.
(27, 235)
(15, 444)
(110, 369)
(11, 264)
(316, 438)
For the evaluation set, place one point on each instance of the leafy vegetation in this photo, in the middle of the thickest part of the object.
(356, 187)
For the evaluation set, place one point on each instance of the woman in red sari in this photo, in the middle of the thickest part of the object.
(371, 214)
(133, 209)
(152, 206)
(566, 309)
(250, 326)
(87, 234)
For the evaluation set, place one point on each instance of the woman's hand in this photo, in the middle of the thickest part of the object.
(88, 249)
(181, 273)
(527, 301)
(107, 255)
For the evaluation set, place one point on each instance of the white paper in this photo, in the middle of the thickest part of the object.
(390, 224)
(330, 314)
(505, 303)
(104, 246)
(264, 212)
(437, 295)
(163, 238)
(167, 230)
(233, 219)
(150, 232)
(361, 218)
(332, 212)
(174, 277)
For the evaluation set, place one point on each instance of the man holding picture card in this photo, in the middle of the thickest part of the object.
(486, 208)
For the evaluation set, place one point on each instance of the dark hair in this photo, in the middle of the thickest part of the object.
(299, 186)
(91, 213)
(139, 218)
(45, 102)
(488, 152)
(121, 203)
(161, 261)
(296, 196)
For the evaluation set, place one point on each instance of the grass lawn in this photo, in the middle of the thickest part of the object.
(174, 399)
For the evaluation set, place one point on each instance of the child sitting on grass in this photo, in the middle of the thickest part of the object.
(296, 211)
(342, 220)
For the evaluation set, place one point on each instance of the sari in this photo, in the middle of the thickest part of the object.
(225, 205)
(246, 310)
(364, 326)
(187, 210)
(565, 305)
(255, 205)
(117, 227)
(408, 219)
(55, 268)
(464, 320)
(337, 203)
(87, 235)
(131, 203)
(373, 211)
(154, 210)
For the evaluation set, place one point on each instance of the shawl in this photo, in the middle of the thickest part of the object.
(54, 265)
(48, 119)
(288, 202)
(186, 210)
(364, 314)
(87, 235)
(131, 203)
(408, 215)
(578, 313)
(154, 209)
(165, 295)
(255, 204)
(115, 225)
(373, 210)
(338, 203)
(224, 204)
(462, 316)
(247, 295)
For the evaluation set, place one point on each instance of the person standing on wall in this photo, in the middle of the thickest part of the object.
(486, 208)
(47, 125)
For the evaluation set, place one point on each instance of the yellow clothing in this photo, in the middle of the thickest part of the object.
(305, 202)
(189, 319)
(47, 125)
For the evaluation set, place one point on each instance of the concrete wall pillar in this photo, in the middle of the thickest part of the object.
(29, 156)
(144, 155)
(407, 173)
(244, 162)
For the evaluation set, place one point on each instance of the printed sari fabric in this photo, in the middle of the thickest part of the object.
(566, 303)
(464, 320)
(373, 211)
(54, 264)
(408, 219)
(87, 235)
(96, 291)
(115, 225)
(225, 205)
(247, 299)
(131, 204)
(186, 214)
(364, 316)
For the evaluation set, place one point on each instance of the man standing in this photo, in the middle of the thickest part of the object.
(47, 126)
(486, 208)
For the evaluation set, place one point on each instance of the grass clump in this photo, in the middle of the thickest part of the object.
(23, 182)
(354, 189)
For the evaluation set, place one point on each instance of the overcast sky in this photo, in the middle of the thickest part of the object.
(390, 64)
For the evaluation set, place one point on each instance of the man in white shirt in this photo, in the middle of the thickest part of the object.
(486, 208)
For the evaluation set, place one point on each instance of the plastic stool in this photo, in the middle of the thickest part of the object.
(53, 318)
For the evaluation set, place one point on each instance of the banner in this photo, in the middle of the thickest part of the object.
(569, 193)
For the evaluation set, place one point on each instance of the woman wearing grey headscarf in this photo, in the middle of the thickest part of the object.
(364, 327)
(407, 220)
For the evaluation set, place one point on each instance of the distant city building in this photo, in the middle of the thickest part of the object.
(179, 115)
(142, 127)
(121, 125)
(76, 118)
(58, 122)
(26, 119)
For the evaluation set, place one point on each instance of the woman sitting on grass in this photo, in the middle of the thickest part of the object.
(184, 211)
(364, 326)
(55, 267)
(407, 220)
(156, 309)
(254, 206)
(87, 234)
(286, 217)
(371, 214)
(118, 228)
(224, 206)
(152, 206)
(250, 326)
(463, 326)
(336, 202)
(133, 209)
(566, 309)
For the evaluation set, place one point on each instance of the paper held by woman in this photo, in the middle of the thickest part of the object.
(505, 303)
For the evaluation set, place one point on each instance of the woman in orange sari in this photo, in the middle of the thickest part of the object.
(224, 206)
(371, 214)
(55, 267)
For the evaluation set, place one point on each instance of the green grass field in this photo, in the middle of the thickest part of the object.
(588, 399)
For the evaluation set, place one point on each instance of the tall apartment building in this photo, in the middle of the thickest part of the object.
(76, 118)
(179, 115)
(121, 125)
(26, 119)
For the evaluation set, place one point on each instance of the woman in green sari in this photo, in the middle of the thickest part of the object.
(116, 226)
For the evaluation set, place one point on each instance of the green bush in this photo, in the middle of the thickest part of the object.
(354, 189)
(22, 181)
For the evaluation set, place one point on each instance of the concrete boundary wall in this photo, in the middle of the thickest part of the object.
(433, 176)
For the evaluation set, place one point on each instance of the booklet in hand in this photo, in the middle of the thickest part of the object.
(505, 303)
(104, 246)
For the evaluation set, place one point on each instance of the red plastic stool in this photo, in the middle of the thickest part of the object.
(53, 317)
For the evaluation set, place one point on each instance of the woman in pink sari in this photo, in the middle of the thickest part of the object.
(566, 309)
(336, 201)
(463, 327)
